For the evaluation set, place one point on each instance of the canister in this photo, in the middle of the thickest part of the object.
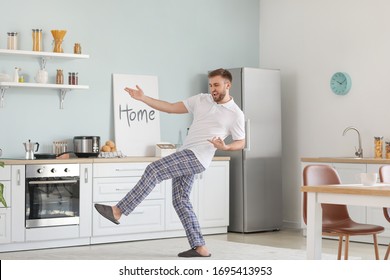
(37, 39)
(73, 78)
(60, 76)
(378, 143)
(387, 144)
(77, 48)
(12, 40)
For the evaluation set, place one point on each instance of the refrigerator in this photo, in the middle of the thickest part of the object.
(256, 172)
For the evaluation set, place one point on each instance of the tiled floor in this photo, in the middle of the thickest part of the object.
(287, 238)
(294, 239)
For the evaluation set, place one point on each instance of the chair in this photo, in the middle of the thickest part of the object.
(335, 217)
(384, 175)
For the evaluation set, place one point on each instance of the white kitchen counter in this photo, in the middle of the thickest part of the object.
(88, 160)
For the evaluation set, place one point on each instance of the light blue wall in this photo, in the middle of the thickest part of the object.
(176, 40)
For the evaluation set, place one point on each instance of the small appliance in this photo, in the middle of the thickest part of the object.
(86, 146)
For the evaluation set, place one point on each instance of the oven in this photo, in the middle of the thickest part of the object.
(52, 195)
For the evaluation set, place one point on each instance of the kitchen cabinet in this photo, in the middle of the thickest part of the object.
(5, 212)
(43, 56)
(12, 218)
(214, 196)
(5, 225)
(155, 217)
(5, 179)
(349, 174)
(86, 184)
(111, 182)
(18, 203)
(172, 219)
(107, 181)
(209, 198)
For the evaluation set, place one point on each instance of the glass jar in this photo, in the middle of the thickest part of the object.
(12, 40)
(60, 77)
(378, 143)
(77, 48)
(73, 78)
(37, 40)
(387, 144)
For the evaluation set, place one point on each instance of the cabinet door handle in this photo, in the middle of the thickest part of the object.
(121, 189)
(18, 177)
(138, 212)
(86, 175)
(124, 169)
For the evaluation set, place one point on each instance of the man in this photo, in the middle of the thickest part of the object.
(215, 116)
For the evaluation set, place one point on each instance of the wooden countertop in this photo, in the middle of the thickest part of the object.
(380, 189)
(346, 160)
(88, 160)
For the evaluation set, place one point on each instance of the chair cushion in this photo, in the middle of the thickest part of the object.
(350, 227)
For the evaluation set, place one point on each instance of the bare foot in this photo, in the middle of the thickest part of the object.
(117, 212)
(202, 250)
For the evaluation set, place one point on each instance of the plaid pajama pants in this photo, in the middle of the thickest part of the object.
(181, 167)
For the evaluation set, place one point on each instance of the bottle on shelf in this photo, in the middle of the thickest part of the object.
(16, 74)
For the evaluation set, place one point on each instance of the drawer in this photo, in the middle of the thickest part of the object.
(118, 169)
(6, 193)
(147, 217)
(114, 189)
(5, 173)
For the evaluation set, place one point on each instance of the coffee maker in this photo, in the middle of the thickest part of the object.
(29, 147)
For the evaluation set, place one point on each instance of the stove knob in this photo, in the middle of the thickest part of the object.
(66, 170)
(40, 170)
(53, 170)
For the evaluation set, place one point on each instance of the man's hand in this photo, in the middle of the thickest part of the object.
(163, 106)
(234, 146)
(137, 94)
(218, 143)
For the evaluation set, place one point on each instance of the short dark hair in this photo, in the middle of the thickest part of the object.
(221, 72)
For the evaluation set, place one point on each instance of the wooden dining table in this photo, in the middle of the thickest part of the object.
(349, 194)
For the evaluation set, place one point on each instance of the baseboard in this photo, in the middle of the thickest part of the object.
(291, 225)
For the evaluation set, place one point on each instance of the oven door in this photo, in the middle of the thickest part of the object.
(52, 201)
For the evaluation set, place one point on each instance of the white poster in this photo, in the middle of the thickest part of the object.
(137, 126)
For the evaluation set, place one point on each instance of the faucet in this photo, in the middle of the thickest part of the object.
(359, 151)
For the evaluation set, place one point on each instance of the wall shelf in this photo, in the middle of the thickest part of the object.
(62, 88)
(43, 56)
(37, 85)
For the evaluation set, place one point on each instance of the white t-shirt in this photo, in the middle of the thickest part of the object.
(211, 120)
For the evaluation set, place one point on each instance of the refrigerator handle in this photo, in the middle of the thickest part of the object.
(247, 135)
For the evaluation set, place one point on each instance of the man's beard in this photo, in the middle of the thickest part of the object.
(219, 97)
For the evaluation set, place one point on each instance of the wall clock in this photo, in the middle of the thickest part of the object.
(340, 83)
